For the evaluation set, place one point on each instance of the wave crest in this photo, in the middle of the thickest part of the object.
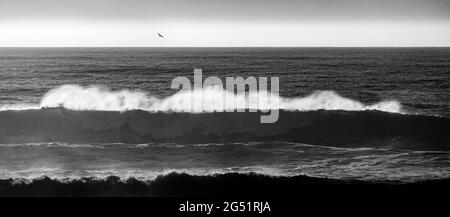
(76, 97)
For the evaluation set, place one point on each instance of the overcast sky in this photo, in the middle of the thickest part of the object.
(225, 23)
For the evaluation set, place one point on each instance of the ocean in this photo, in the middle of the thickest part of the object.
(367, 114)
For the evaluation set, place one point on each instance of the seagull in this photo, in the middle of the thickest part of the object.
(160, 35)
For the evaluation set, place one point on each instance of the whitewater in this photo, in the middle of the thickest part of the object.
(75, 97)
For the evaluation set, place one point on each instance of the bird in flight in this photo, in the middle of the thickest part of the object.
(160, 35)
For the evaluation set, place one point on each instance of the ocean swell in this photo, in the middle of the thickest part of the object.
(215, 185)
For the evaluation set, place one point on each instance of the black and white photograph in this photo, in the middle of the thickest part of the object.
(225, 107)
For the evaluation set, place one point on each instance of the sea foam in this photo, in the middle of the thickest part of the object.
(76, 97)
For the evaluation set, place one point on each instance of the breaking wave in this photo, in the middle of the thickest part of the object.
(76, 97)
(72, 113)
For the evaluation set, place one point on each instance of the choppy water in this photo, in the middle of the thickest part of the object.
(415, 78)
(146, 161)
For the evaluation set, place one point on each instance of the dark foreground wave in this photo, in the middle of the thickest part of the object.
(181, 184)
(326, 128)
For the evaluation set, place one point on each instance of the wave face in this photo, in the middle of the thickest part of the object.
(326, 128)
(76, 97)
